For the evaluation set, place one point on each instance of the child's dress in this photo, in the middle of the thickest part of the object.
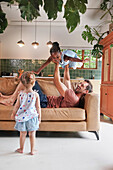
(27, 116)
(72, 54)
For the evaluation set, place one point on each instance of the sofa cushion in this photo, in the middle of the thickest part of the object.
(63, 114)
(52, 114)
(7, 85)
(5, 112)
(48, 87)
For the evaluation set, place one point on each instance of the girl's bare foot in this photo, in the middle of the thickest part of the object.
(19, 150)
(33, 152)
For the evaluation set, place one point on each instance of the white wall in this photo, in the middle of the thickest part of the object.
(9, 39)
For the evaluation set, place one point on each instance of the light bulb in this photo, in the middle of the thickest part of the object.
(35, 44)
(20, 43)
(49, 44)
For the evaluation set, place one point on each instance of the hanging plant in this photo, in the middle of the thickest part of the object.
(31, 10)
(72, 10)
(107, 9)
(3, 21)
(52, 7)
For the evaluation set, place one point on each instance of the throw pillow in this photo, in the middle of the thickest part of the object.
(48, 88)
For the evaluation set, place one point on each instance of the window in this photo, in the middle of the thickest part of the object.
(83, 54)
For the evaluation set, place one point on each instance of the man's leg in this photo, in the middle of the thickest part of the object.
(66, 80)
(59, 85)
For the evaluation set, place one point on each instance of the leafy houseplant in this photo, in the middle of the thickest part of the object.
(108, 9)
(92, 35)
(105, 6)
(31, 10)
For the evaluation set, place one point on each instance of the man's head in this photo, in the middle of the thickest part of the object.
(84, 87)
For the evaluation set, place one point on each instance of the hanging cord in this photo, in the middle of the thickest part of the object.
(21, 28)
(50, 31)
(35, 30)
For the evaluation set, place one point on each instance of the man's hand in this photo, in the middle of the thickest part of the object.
(55, 60)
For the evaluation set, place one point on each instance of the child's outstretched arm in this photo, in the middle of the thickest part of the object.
(43, 65)
(75, 59)
(38, 108)
(16, 107)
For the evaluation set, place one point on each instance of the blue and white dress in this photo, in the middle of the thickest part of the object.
(72, 54)
(27, 116)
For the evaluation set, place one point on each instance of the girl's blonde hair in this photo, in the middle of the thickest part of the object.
(27, 78)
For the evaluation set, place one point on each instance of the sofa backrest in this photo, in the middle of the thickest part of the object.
(8, 85)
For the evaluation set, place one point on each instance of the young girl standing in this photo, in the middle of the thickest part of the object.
(27, 111)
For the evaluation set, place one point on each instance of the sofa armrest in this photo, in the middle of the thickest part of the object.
(92, 109)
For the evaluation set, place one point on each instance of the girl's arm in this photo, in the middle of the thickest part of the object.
(37, 105)
(43, 65)
(16, 107)
(76, 59)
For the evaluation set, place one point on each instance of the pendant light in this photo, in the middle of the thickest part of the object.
(49, 43)
(35, 44)
(21, 43)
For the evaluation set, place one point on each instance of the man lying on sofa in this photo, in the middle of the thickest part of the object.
(68, 98)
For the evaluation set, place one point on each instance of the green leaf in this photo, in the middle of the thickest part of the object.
(29, 9)
(52, 7)
(71, 13)
(3, 21)
(88, 35)
(72, 19)
(84, 35)
(103, 5)
(97, 50)
(111, 45)
(82, 6)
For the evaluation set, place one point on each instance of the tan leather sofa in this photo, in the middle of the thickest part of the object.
(55, 119)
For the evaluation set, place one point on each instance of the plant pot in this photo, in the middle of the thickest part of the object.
(110, 27)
